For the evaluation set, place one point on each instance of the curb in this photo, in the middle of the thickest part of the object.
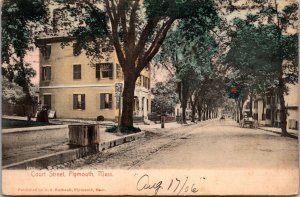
(29, 129)
(66, 156)
(279, 133)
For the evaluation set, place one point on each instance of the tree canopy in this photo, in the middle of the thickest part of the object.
(264, 50)
(135, 28)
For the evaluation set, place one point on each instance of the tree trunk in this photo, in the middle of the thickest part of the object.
(184, 105)
(209, 113)
(251, 101)
(184, 99)
(193, 113)
(204, 114)
(239, 111)
(128, 100)
(283, 116)
(199, 108)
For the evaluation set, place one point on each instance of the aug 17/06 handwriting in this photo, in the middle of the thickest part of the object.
(177, 186)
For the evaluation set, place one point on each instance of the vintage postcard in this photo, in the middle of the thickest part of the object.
(150, 97)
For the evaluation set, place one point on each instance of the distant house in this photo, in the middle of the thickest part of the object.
(74, 88)
(267, 110)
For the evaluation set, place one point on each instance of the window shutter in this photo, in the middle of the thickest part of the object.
(74, 71)
(110, 101)
(70, 100)
(75, 101)
(98, 101)
(98, 71)
(83, 101)
(49, 73)
(111, 70)
(102, 101)
(79, 71)
(52, 102)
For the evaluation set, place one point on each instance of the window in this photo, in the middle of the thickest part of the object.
(104, 71)
(105, 101)
(79, 101)
(47, 101)
(76, 71)
(146, 82)
(46, 51)
(46, 73)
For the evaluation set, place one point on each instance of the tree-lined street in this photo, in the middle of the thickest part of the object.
(212, 144)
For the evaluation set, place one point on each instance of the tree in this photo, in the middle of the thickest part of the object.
(190, 49)
(136, 29)
(21, 20)
(165, 97)
(268, 49)
(12, 93)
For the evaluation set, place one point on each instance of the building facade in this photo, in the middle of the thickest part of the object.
(73, 87)
(267, 110)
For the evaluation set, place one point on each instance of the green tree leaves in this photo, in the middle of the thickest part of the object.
(17, 30)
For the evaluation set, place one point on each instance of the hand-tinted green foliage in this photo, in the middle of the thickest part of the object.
(16, 30)
(12, 93)
(255, 51)
(165, 97)
(94, 28)
(180, 9)
(233, 89)
(20, 22)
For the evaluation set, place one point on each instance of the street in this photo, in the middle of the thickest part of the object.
(212, 144)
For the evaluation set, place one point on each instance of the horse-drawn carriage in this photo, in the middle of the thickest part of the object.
(248, 121)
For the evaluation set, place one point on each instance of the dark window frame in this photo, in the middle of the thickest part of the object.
(104, 103)
(104, 70)
(46, 73)
(76, 71)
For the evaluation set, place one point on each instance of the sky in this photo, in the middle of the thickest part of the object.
(33, 59)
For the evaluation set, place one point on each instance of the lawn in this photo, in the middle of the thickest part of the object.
(10, 123)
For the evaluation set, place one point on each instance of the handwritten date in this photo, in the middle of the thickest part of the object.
(177, 186)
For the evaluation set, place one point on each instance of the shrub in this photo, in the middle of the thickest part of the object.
(124, 130)
(100, 118)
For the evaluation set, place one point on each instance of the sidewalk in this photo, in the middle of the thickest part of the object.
(278, 130)
(23, 146)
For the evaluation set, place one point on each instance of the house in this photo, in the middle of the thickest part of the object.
(74, 87)
(267, 109)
